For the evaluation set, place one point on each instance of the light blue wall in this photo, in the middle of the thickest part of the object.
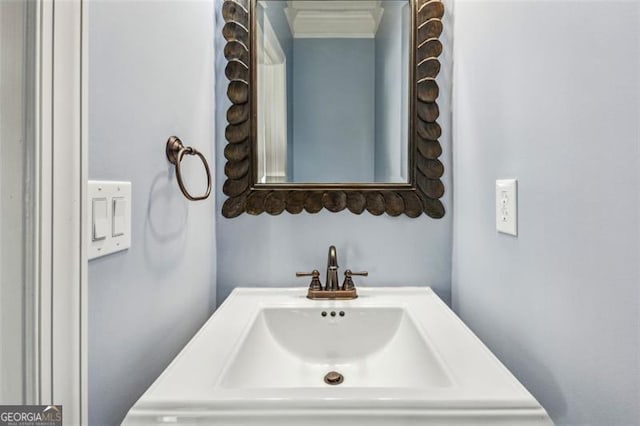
(549, 93)
(267, 250)
(391, 93)
(150, 76)
(333, 102)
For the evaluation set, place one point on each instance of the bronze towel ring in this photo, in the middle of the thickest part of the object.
(175, 150)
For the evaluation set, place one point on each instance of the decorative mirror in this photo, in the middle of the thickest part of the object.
(333, 106)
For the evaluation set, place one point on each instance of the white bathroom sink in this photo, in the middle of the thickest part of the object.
(402, 358)
(371, 347)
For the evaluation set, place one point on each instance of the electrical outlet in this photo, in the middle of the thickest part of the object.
(507, 206)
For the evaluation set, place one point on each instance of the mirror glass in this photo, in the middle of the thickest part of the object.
(332, 91)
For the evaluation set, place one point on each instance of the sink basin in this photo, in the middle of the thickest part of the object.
(394, 356)
(297, 347)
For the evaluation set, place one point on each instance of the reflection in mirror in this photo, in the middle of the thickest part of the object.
(332, 91)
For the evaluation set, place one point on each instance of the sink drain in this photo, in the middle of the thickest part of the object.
(333, 378)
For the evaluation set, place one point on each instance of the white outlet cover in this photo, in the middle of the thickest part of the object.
(507, 206)
(112, 241)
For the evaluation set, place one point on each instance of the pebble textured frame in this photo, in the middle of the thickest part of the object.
(423, 192)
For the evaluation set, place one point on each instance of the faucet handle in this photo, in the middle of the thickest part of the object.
(348, 281)
(315, 279)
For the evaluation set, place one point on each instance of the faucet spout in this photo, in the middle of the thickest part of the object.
(332, 270)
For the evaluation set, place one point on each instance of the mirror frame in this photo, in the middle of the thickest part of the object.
(420, 195)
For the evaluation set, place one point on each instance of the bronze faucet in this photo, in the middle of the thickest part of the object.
(332, 270)
(331, 290)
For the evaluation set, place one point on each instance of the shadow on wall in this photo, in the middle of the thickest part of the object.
(552, 398)
(511, 350)
(165, 222)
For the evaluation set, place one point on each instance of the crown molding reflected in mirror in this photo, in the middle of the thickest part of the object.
(423, 189)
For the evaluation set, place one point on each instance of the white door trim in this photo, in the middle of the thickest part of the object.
(63, 177)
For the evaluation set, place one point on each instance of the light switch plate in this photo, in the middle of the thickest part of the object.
(118, 233)
(507, 206)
